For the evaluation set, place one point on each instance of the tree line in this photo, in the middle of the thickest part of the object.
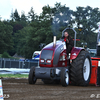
(23, 34)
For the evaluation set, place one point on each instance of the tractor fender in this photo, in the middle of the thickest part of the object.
(75, 51)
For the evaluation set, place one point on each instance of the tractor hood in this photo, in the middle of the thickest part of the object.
(51, 45)
(50, 54)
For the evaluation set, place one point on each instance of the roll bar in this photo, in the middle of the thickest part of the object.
(74, 34)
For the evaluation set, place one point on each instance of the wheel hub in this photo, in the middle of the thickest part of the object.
(67, 78)
(86, 69)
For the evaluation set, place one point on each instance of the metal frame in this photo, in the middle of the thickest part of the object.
(74, 35)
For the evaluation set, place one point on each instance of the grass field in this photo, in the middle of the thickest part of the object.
(13, 76)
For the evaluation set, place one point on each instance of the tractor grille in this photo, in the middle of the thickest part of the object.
(46, 54)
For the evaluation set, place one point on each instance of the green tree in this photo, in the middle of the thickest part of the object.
(29, 32)
(41, 29)
(62, 18)
(88, 18)
(23, 19)
(5, 55)
(6, 42)
(16, 15)
(32, 15)
(23, 44)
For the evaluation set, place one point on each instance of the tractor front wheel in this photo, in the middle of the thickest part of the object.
(64, 77)
(32, 79)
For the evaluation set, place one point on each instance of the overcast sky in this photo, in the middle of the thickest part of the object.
(7, 6)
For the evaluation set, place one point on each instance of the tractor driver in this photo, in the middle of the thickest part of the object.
(69, 42)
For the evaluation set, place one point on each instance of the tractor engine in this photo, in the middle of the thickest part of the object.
(53, 58)
(54, 55)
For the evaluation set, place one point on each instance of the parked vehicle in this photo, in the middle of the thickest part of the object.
(92, 52)
(36, 55)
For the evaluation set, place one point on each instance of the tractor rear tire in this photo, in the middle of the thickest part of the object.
(32, 79)
(80, 70)
(64, 77)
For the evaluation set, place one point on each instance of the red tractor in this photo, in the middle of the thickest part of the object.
(56, 67)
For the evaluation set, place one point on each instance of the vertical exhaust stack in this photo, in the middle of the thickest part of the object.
(54, 41)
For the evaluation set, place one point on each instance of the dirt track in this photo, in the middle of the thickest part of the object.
(19, 89)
